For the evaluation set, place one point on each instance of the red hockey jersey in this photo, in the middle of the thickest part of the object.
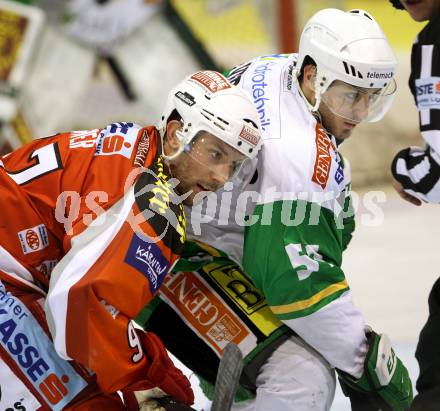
(91, 218)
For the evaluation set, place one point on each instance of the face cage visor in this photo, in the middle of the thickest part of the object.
(217, 156)
(358, 104)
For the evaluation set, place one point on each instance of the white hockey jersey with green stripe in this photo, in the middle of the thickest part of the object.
(297, 228)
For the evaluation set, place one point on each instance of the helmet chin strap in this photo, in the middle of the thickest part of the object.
(312, 108)
(317, 95)
(169, 157)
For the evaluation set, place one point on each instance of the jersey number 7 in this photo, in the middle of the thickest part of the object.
(43, 160)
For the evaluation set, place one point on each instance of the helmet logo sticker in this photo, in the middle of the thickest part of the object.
(353, 70)
(186, 98)
(376, 75)
(211, 81)
(250, 135)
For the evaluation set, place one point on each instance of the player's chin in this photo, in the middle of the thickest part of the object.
(198, 193)
(345, 133)
(188, 201)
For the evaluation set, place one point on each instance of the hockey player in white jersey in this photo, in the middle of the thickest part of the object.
(297, 203)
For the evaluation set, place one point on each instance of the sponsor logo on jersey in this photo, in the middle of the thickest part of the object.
(113, 144)
(428, 93)
(339, 174)
(272, 57)
(200, 307)
(33, 239)
(142, 150)
(288, 81)
(259, 91)
(247, 298)
(211, 81)
(46, 267)
(186, 98)
(33, 353)
(117, 139)
(380, 76)
(147, 258)
(323, 160)
(250, 135)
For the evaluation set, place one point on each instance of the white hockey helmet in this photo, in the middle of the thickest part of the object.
(352, 48)
(207, 101)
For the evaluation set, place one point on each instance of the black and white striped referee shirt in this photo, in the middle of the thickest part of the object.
(418, 169)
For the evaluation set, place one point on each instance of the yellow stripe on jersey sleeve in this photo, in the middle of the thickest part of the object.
(304, 304)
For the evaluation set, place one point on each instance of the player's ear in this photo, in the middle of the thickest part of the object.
(172, 143)
(309, 76)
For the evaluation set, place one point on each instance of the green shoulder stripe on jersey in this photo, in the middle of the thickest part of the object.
(295, 257)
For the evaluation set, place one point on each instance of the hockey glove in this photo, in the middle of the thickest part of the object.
(385, 383)
(162, 378)
(157, 400)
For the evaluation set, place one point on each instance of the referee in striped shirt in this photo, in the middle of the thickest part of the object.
(416, 172)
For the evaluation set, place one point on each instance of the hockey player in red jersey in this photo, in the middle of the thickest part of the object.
(91, 222)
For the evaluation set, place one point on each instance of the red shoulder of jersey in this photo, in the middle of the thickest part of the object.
(58, 181)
